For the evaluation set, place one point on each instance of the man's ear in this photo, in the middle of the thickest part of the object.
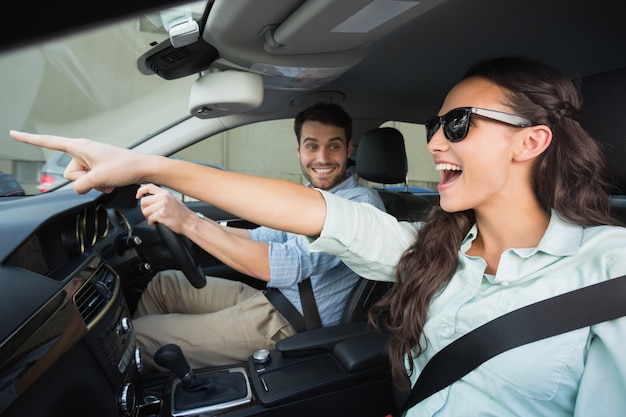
(534, 141)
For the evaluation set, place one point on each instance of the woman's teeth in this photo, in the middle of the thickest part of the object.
(449, 172)
(447, 167)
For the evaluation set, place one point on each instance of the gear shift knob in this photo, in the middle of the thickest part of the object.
(172, 357)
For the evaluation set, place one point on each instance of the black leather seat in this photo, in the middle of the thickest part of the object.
(381, 158)
(604, 117)
(364, 294)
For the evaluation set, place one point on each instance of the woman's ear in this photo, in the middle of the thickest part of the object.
(534, 141)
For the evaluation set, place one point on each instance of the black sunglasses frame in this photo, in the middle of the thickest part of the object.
(461, 122)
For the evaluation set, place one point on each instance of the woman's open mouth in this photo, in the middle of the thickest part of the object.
(449, 173)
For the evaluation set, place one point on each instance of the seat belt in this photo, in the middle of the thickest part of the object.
(285, 308)
(311, 319)
(309, 306)
(560, 314)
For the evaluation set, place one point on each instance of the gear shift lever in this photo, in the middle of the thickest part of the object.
(206, 389)
(171, 357)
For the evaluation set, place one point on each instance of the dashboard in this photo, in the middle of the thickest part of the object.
(72, 268)
(57, 242)
(64, 261)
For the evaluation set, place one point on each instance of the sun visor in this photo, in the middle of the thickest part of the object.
(218, 94)
(324, 26)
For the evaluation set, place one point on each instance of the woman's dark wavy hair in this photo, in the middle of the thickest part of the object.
(571, 177)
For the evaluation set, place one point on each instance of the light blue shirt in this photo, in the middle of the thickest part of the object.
(291, 261)
(579, 373)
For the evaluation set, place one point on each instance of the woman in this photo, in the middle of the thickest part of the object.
(524, 216)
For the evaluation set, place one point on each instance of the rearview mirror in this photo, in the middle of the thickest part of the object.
(219, 94)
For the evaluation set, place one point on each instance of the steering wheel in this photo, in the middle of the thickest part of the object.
(179, 247)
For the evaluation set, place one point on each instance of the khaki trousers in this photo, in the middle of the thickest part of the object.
(220, 324)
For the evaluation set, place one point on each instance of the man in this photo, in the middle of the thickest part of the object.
(226, 321)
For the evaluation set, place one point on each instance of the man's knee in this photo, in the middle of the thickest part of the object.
(170, 280)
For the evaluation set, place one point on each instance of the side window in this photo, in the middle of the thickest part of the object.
(268, 149)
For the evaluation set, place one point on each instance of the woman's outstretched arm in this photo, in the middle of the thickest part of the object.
(276, 203)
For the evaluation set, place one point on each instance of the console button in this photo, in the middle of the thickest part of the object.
(261, 356)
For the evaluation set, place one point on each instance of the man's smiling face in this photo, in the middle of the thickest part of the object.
(323, 151)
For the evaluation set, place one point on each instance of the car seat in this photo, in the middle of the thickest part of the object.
(381, 158)
(604, 117)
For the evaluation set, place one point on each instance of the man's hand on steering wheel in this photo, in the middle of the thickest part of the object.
(167, 213)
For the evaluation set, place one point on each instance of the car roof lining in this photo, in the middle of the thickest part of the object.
(448, 38)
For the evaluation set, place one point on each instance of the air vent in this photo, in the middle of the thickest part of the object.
(121, 220)
(94, 296)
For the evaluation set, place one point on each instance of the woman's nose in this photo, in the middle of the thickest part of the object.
(437, 142)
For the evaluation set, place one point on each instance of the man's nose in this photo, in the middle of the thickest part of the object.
(323, 155)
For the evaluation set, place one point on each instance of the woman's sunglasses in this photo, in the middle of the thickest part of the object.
(456, 122)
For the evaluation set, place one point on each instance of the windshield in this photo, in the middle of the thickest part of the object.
(86, 85)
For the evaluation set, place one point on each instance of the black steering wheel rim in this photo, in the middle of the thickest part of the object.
(182, 256)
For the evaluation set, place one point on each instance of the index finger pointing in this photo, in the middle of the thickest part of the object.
(47, 141)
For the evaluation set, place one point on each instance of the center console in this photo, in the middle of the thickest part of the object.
(339, 370)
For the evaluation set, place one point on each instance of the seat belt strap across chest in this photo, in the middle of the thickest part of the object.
(566, 312)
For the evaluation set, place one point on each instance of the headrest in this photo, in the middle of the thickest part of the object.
(604, 117)
(381, 156)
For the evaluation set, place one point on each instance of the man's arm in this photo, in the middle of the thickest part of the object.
(230, 245)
